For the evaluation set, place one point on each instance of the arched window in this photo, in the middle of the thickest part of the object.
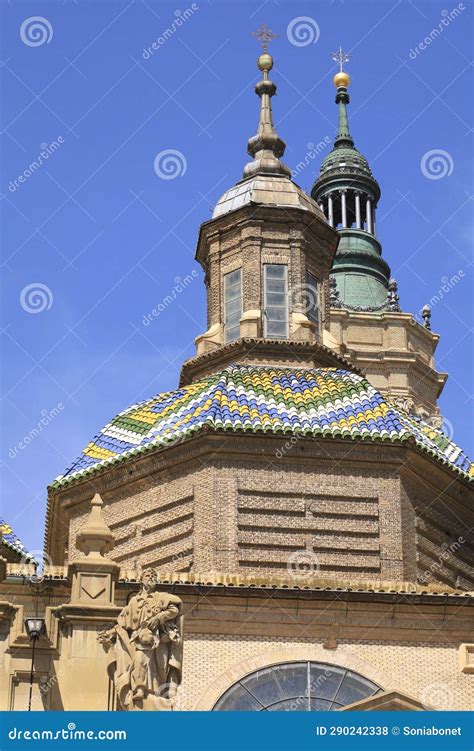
(297, 687)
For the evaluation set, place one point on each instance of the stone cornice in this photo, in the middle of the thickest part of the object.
(256, 215)
(382, 316)
(357, 589)
(398, 457)
(8, 610)
(265, 351)
(70, 612)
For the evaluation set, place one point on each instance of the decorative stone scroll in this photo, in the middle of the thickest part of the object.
(407, 404)
(144, 649)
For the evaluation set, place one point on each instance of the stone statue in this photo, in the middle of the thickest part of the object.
(145, 648)
(406, 404)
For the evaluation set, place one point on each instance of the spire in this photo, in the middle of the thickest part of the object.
(343, 137)
(266, 147)
(94, 539)
(341, 82)
(348, 193)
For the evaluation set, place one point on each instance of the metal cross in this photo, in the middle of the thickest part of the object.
(265, 34)
(340, 57)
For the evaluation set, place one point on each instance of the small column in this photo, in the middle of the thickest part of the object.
(344, 208)
(373, 223)
(92, 574)
(330, 211)
(368, 213)
(82, 667)
(357, 205)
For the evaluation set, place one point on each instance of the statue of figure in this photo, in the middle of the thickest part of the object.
(145, 647)
(406, 404)
(437, 421)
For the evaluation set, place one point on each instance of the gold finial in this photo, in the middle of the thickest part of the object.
(266, 35)
(341, 79)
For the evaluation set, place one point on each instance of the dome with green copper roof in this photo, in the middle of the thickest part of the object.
(312, 403)
(347, 192)
(345, 159)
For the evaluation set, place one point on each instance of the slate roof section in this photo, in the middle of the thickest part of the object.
(269, 190)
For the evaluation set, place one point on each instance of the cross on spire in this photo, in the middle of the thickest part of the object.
(340, 57)
(265, 34)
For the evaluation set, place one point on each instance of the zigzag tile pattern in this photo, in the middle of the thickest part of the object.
(320, 402)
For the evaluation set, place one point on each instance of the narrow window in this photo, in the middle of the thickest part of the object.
(275, 301)
(312, 301)
(232, 304)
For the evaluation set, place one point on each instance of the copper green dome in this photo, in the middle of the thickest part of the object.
(347, 192)
(346, 160)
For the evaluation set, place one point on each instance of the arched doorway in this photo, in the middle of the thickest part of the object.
(296, 687)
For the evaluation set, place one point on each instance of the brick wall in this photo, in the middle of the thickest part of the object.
(428, 672)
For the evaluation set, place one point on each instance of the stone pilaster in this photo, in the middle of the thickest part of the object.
(90, 609)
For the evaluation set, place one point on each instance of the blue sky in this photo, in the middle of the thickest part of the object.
(107, 238)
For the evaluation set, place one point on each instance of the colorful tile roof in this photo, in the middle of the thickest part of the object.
(13, 542)
(320, 402)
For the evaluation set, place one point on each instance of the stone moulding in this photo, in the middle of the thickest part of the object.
(466, 658)
(268, 348)
(286, 585)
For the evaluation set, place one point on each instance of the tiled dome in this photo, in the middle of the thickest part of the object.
(320, 402)
(10, 539)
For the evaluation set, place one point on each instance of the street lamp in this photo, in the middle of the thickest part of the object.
(34, 627)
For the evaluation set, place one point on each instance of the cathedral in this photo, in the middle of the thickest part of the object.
(287, 530)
